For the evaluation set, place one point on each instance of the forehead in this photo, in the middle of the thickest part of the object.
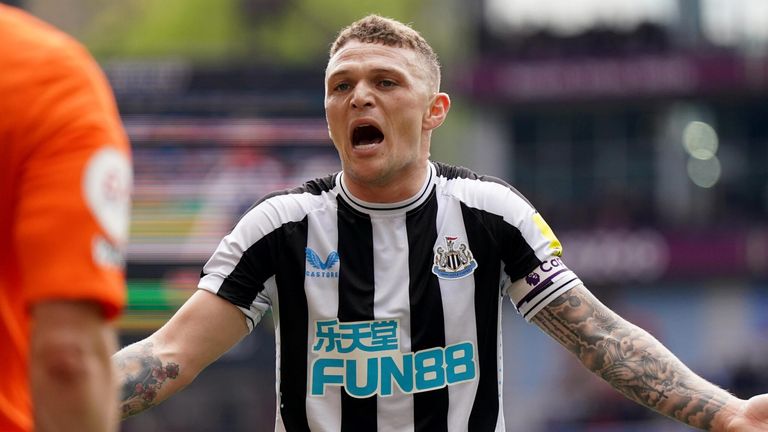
(356, 56)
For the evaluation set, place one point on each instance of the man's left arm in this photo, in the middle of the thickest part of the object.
(640, 367)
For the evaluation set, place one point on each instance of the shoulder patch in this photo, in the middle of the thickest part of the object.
(107, 185)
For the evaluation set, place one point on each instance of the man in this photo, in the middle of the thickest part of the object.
(65, 180)
(385, 279)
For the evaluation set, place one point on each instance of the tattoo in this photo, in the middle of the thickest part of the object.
(630, 359)
(143, 376)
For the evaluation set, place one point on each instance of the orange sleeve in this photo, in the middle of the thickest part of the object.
(75, 185)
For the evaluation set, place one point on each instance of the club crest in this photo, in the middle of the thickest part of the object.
(454, 261)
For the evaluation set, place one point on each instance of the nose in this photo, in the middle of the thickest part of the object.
(362, 96)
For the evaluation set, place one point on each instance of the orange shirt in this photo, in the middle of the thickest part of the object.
(65, 181)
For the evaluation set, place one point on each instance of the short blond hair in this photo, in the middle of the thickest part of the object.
(386, 31)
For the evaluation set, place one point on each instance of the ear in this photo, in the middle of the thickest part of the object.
(438, 110)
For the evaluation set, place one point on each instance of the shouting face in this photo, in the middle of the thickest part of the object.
(381, 106)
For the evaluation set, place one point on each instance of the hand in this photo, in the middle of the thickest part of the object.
(752, 417)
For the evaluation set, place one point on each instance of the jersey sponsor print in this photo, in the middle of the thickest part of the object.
(365, 359)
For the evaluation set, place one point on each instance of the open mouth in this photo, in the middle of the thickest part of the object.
(366, 135)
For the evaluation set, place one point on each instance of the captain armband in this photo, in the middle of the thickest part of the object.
(545, 283)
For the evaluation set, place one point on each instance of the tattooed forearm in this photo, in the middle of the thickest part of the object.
(630, 359)
(142, 376)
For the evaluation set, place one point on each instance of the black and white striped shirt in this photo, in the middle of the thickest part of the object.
(387, 317)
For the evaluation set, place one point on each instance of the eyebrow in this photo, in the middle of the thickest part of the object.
(375, 71)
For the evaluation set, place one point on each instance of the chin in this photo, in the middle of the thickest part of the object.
(368, 175)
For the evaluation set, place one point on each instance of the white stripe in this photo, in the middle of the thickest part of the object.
(252, 227)
(279, 424)
(391, 300)
(529, 310)
(323, 413)
(500, 200)
(520, 288)
(458, 297)
(500, 426)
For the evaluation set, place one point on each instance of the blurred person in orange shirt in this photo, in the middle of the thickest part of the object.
(65, 181)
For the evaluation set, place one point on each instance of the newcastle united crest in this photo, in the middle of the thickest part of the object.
(454, 261)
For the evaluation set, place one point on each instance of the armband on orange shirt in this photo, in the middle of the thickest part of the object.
(65, 183)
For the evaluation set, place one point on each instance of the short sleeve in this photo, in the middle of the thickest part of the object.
(548, 279)
(73, 211)
(242, 268)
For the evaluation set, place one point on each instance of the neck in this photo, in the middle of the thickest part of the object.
(405, 186)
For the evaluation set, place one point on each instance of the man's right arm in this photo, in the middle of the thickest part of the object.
(153, 369)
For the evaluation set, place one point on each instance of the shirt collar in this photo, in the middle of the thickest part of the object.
(389, 208)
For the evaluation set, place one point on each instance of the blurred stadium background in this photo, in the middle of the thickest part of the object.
(638, 128)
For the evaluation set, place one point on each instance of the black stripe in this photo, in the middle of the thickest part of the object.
(255, 266)
(543, 285)
(533, 293)
(430, 409)
(253, 323)
(547, 297)
(485, 410)
(292, 301)
(518, 256)
(356, 289)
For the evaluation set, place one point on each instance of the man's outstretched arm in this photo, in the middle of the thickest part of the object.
(640, 367)
(153, 369)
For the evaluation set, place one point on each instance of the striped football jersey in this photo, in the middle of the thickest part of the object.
(387, 316)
